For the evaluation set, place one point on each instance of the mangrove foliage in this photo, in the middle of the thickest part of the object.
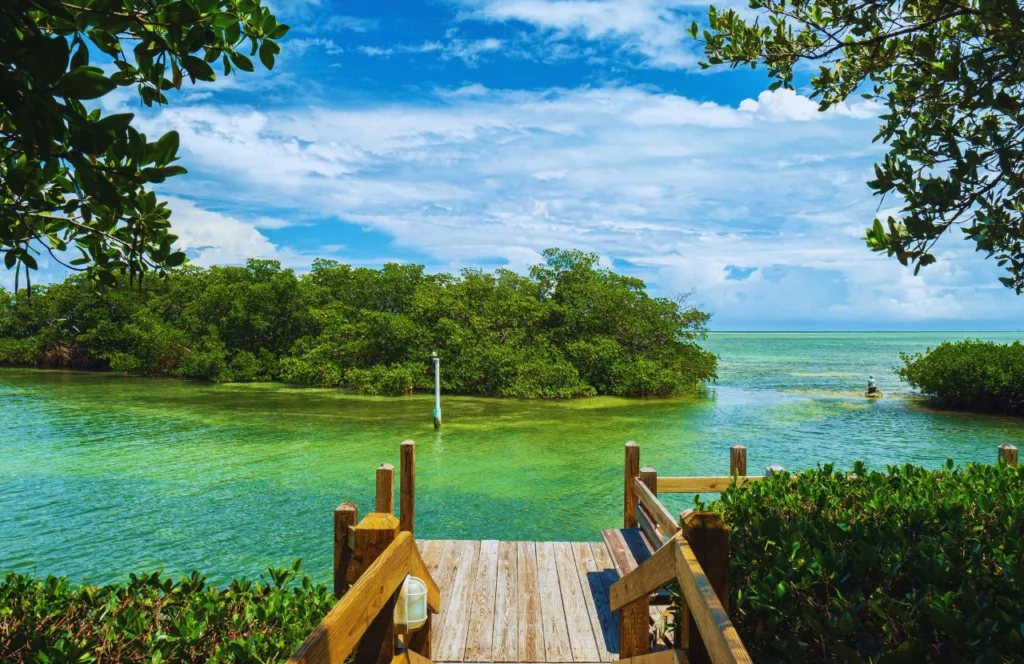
(567, 328)
(975, 375)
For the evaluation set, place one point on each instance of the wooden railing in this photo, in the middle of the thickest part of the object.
(372, 558)
(677, 561)
(363, 617)
(738, 470)
(694, 551)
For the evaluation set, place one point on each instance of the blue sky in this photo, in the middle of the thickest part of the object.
(459, 133)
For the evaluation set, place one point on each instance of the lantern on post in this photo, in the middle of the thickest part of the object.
(411, 607)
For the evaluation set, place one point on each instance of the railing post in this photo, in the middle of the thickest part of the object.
(632, 471)
(370, 538)
(407, 488)
(708, 536)
(1008, 453)
(649, 476)
(386, 488)
(738, 460)
(346, 516)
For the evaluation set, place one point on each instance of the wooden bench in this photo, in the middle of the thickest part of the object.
(628, 548)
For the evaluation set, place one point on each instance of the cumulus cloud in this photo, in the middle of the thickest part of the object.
(654, 30)
(686, 192)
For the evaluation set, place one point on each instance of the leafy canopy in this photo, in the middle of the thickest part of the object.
(567, 329)
(950, 74)
(72, 178)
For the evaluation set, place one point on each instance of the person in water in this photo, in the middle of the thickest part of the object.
(872, 388)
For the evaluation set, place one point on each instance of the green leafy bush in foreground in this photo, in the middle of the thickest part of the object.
(154, 619)
(905, 566)
(971, 375)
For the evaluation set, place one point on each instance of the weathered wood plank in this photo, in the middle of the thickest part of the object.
(700, 484)
(445, 572)
(656, 510)
(609, 620)
(556, 629)
(716, 630)
(455, 625)
(431, 552)
(340, 630)
(594, 593)
(530, 618)
(482, 605)
(647, 526)
(582, 642)
(649, 576)
(505, 642)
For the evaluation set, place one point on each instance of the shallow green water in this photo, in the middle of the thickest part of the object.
(102, 474)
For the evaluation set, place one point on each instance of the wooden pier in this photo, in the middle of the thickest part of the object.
(539, 602)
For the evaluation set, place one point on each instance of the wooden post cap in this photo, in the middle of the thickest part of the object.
(1008, 453)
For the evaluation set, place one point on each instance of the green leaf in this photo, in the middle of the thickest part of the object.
(198, 68)
(241, 61)
(165, 149)
(83, 83)
(267, 51)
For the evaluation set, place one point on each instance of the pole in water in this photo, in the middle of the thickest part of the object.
(437, 391)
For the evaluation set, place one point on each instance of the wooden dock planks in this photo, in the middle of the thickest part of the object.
(531, 630)
(522, 601)
(455, 622)
(481, 610)
(505, 640)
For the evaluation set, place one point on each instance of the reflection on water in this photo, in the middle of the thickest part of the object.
(104, 474)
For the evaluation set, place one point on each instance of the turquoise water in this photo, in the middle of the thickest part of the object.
(104, 474)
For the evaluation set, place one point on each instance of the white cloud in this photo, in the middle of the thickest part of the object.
(212, 238)
(339, 23)
(653, 29)
(682, 190)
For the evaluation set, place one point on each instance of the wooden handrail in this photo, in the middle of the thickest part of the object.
(340, 630)
(701, 484)
(669, 526)
(716, 630)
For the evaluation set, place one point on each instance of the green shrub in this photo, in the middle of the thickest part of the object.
(245, 367)
(153, 619)
(19, 352)
(971, 375)
(910, 565)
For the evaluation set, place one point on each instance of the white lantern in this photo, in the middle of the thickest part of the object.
(411, 608)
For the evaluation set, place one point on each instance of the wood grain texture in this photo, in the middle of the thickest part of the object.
(738, 460)
(386, 488)
(632, 468)
(609, 620)
(700, 484)
(455, 624)
(339, 632)
(482, 605)
(556, 629)
(662, 517)
(582, 642)
(505, 639)
(431, 552)
(708, 537)
(594, 593)
(407, 486)
(445, 571)
(530, 619)
(648, 527)
(649, 576)
(346, 516)
(1008, 453)
(716, 630)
